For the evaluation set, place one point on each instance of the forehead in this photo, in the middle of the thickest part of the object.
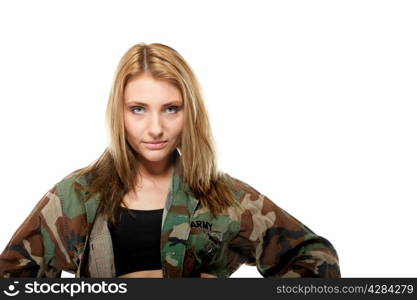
(149, 90)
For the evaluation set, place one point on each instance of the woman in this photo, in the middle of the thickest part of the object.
(155, 204)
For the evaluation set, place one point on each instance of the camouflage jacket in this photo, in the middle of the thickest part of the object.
(64, 232)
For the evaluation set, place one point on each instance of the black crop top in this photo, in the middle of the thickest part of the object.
(136, 240)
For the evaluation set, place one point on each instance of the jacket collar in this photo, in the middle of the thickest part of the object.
(175, 227)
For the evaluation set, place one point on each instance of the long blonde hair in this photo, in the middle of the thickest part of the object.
(115, 172)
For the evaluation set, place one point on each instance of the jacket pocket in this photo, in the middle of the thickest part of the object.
(203, 249)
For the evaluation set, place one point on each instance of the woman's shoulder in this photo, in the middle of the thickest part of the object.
(242, 189)
(252, 200)
(71, 198)
(72, 179)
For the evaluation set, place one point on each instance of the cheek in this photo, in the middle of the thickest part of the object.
(178, 126)
(177, 129)
(132, 128)
(128, 127)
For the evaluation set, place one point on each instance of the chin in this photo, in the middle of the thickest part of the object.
(154, 155)
(150, 157)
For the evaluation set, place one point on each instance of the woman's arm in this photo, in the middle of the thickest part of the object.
(37, 248)
(278, 244)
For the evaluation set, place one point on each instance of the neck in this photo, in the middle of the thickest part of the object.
(156, 170)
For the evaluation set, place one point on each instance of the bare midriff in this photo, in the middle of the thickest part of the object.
(143, 274)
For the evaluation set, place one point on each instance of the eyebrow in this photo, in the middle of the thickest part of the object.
(177, 102)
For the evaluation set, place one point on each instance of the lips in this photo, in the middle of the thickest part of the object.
(155, 145)
(157, 142)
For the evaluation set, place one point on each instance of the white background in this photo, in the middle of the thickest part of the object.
(313, 103)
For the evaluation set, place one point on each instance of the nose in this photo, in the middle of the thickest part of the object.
(155, 125)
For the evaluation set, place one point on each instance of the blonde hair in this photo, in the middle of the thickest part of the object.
(115, 171)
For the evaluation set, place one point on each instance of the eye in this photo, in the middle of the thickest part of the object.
(136, 107)
(173, 107)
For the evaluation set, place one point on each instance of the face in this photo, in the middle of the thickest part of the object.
(153, 112)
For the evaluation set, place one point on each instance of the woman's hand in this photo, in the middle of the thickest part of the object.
(206, 275)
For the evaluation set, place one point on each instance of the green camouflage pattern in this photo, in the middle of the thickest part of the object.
(55, 237)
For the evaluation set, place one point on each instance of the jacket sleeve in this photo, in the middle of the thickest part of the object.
(36, 249)
(278, 244)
